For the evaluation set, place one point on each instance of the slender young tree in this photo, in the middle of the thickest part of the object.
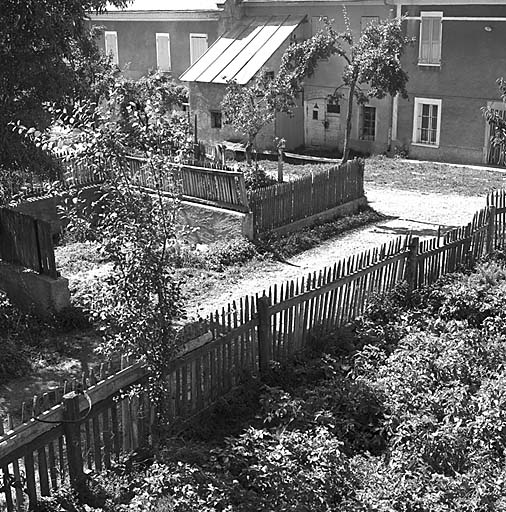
(372, 69)
(497, 123)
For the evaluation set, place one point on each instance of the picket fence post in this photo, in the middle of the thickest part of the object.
(264, 333)
(411, 263)
(490, 229)
(72, 429)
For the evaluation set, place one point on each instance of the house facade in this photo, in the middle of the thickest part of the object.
(254, 39)
(458, 54)
(157, 34)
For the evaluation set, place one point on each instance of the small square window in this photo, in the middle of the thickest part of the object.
(333, 108)
(216, 121)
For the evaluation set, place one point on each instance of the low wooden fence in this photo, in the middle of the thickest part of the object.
(497, 199)
(196, 181)
(26, 241)
(91, 430)
(218, 187)
(282, 204)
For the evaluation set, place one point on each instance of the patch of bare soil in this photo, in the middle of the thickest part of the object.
(406, 212)
(422, 214)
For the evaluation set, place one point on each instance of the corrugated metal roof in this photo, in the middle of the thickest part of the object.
(242, 51)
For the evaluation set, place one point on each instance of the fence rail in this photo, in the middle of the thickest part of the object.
(282, 204)
(26, 241)
(195, 180)
(240, 338)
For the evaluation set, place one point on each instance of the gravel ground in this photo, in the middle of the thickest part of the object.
(405, 212)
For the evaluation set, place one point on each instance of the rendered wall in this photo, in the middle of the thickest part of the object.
(471, 61)
(137, 43)
(328, 74)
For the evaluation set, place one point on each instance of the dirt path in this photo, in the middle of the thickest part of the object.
(420, 214)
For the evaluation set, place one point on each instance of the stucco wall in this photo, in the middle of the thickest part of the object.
(205, 98)
(328, 74)
(471, 61)
(137, 43)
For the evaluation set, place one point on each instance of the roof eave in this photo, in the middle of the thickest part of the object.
(204, 15)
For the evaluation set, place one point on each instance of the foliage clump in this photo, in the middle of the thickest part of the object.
(402, 411)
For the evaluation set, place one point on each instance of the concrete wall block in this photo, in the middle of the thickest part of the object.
(34, 292)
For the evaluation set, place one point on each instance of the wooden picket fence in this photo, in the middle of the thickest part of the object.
(497, 199)
(26, 241)
(90, 430)
(198, 181)
(282, 204)
(223, 188)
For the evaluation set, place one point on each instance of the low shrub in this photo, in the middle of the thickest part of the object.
(255, 177)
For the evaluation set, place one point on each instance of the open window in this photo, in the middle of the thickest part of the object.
(216, 119)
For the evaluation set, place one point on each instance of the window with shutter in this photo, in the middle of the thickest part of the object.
(111, 46)
(430, 38)
(198, 46)
(163, 52)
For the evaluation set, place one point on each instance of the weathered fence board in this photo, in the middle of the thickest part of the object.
(241, 338)
(26, 241)
(284, 203)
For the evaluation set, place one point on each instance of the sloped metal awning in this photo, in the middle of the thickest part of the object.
(239, 53)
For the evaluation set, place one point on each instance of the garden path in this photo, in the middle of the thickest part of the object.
(405, 211)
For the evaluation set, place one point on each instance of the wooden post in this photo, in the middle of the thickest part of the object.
(72, 427)
(489, 247)
(242, 191)
(281, 147)
(264, 333)
(280, 165)
(411, 264)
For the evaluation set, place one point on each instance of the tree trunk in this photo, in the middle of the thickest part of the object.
(347, 133)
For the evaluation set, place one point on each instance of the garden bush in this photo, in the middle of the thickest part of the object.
(404, 411)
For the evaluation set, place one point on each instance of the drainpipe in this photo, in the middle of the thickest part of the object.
(395, 99)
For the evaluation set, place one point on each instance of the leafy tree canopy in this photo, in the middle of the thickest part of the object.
(372, 69)
(47, 54)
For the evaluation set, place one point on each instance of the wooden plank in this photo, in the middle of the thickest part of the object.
(340, 282)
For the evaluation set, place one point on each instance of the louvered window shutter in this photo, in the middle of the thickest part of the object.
(163, 52)
(111, 46)
(198, 46)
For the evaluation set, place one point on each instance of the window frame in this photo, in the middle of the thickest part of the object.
(361, 121)
(418, 103)
(200, 36)
(157, 36)
(212, 113)
(430, 15)
(114, 53)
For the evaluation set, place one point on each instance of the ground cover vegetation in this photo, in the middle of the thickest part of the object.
(401, 411)
(431, 177)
